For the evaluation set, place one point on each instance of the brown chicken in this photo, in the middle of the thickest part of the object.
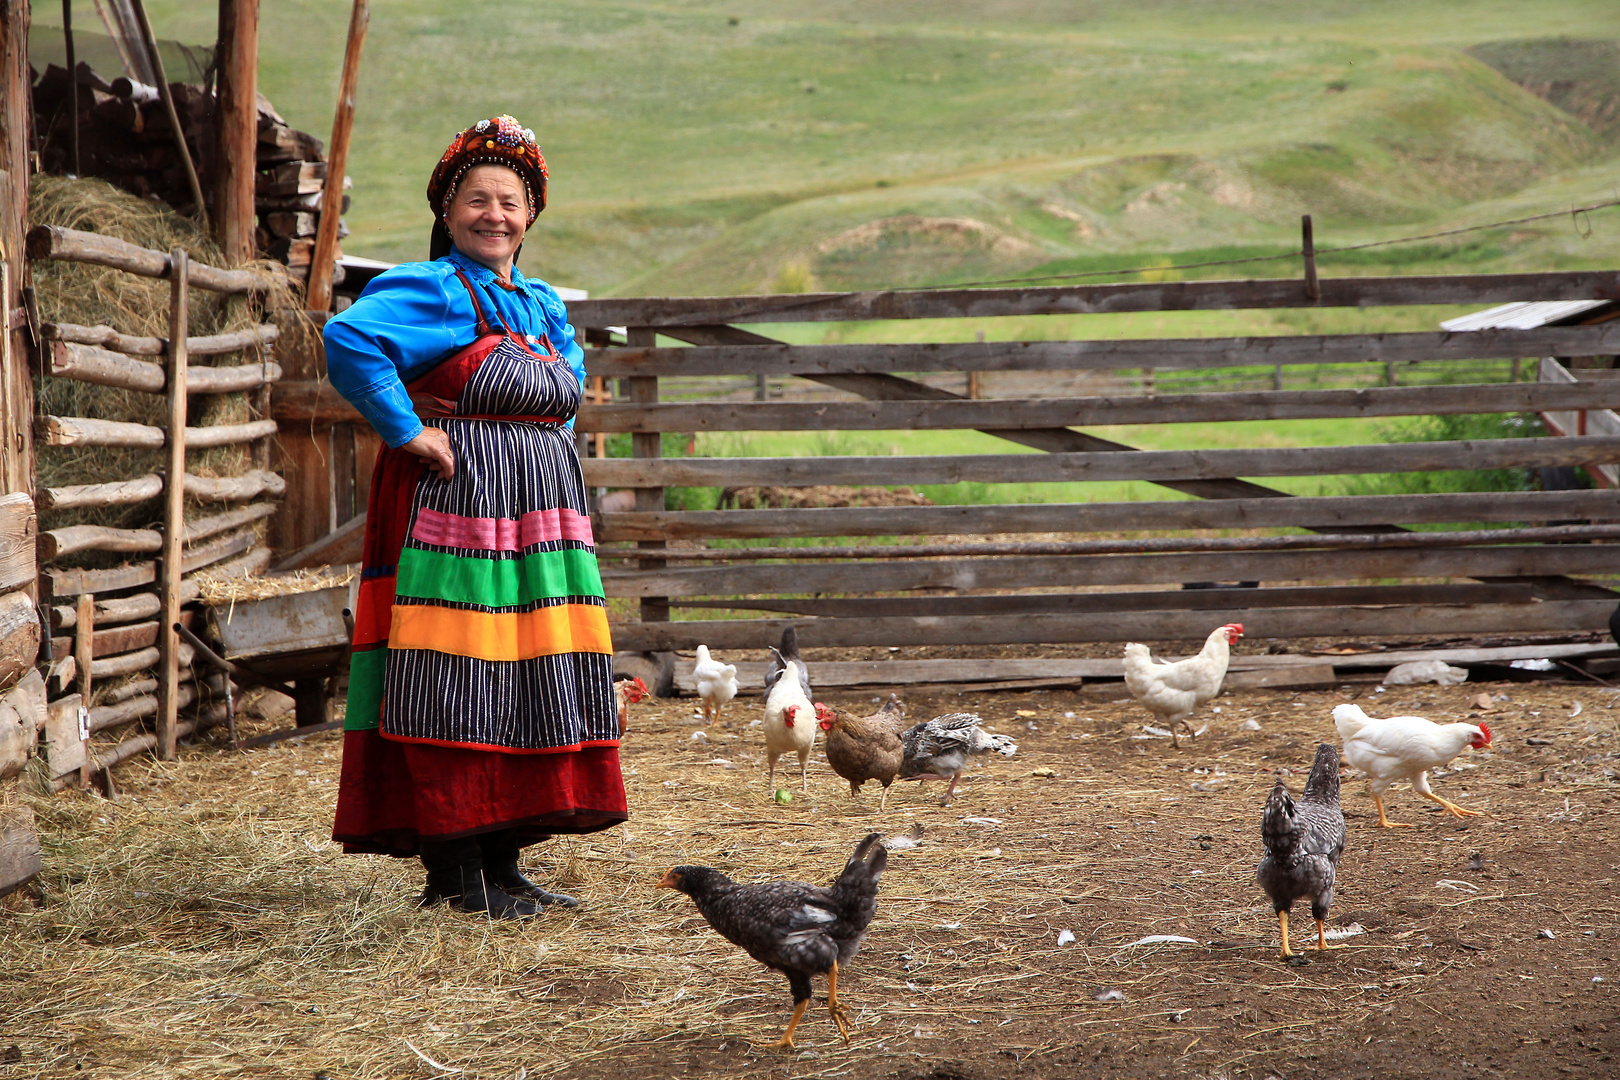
(865, 748)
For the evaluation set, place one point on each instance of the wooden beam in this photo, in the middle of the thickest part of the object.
(55, 543)
(236, 128)
(337, 162)
(1171, 354)
(1092, 299)
(1014, 414)
(116, 493)
(1330, 512)
(1067, 571)
(209, 345)
(19, 637)
(82, 431)
(17, 369)
(1148, 465)
(1170, 600)
(73, 245)
(311, 402)
(119, 609)
(111, 641)
(94, 364)
(343, 545)
(18, 528)
(250, 485)
(174, 511)
(202, 528)
(229, 380)
(198, 438)
(1259, 623)
(20, 858)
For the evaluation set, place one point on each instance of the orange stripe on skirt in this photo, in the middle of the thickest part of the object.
(564, 628)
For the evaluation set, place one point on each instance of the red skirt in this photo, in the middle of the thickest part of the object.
(394, 794)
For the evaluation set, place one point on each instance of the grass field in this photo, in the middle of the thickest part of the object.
(753, 145)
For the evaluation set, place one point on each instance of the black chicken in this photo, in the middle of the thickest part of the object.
(1303, 841)
(798, 929)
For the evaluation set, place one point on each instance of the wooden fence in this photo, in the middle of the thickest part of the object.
(118, 622)
(1522, 577)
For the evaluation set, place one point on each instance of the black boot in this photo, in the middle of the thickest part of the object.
(456, 874)
(500, 851)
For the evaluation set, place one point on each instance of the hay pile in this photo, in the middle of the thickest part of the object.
(92, 295)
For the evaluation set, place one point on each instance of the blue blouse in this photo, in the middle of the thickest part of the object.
(415, 315)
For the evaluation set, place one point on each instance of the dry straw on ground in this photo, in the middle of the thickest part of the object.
(202, 925)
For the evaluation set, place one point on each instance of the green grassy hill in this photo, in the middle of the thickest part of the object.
(759, 145)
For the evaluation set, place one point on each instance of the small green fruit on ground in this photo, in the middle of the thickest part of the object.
(784, 796)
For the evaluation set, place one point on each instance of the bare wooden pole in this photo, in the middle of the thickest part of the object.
(644, 391)
(337, 163)
(236, 116)
(83, 655)
(1313, 290)
(150, 40)
(73, 86)
(174, 513)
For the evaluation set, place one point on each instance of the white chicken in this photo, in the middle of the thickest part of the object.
(1171, 691)
(1404, 748)
(790, 715)
(716, 683)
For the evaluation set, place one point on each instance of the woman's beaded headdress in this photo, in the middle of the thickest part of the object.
(497, 141)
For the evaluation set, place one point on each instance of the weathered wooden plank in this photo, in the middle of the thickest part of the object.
(1016, 414)
(169, 568)
(1106, 355)
(72, 245)
(1092, 299)
(83, 431)
(1561, 616)
(1061, 571)
(22, 714)
(306, 401)
(55, 543)
(127, 664)
(200, 438)
(340, 546)
(202, 528)
(121, 609)
(249, 485)
(1169, 600)
(108, 338)
(18, 528)
(1331, 511)
(20, 858)
(1149, 465)
(19, 637)
(117, 493)
(93, 364)
(110, 641)
(1320, 674)
(228, 380)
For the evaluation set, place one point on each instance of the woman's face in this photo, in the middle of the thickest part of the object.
(488, 215)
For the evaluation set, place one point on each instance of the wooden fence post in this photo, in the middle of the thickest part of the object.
(237, 127)
(650, 444)
(83, 656)
(319, 295)
(174, 511)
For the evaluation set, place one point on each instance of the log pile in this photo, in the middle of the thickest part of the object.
(125, 138)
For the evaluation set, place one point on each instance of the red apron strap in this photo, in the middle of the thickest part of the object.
(484, 329)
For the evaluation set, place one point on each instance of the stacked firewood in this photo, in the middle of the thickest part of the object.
(125, 138)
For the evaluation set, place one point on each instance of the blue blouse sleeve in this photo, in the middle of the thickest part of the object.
(405, 320)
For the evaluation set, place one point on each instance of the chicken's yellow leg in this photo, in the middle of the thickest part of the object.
(1384, 822)
(1282, 923)
(1321, 938)
(786, 1041)
(883, 803)
(1450, 807)
(717, 707)
(839, 1013)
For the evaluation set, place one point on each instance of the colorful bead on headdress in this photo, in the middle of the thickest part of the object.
(498, 141)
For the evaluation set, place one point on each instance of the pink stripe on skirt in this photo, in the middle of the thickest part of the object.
(501, 534)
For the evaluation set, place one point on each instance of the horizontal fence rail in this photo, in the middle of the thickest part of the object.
(1109, 355)
(1094, 299)
(1142, 465)
(72, 245)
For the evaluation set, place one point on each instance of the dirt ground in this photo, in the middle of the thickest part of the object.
(202, 924)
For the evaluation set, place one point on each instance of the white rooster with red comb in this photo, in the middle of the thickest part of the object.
(1172, 691)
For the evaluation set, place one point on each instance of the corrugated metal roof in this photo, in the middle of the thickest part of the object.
(1525, 315)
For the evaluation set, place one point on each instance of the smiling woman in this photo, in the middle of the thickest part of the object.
(481, 714)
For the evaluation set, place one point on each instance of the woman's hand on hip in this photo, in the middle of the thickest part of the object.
(432, 443)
